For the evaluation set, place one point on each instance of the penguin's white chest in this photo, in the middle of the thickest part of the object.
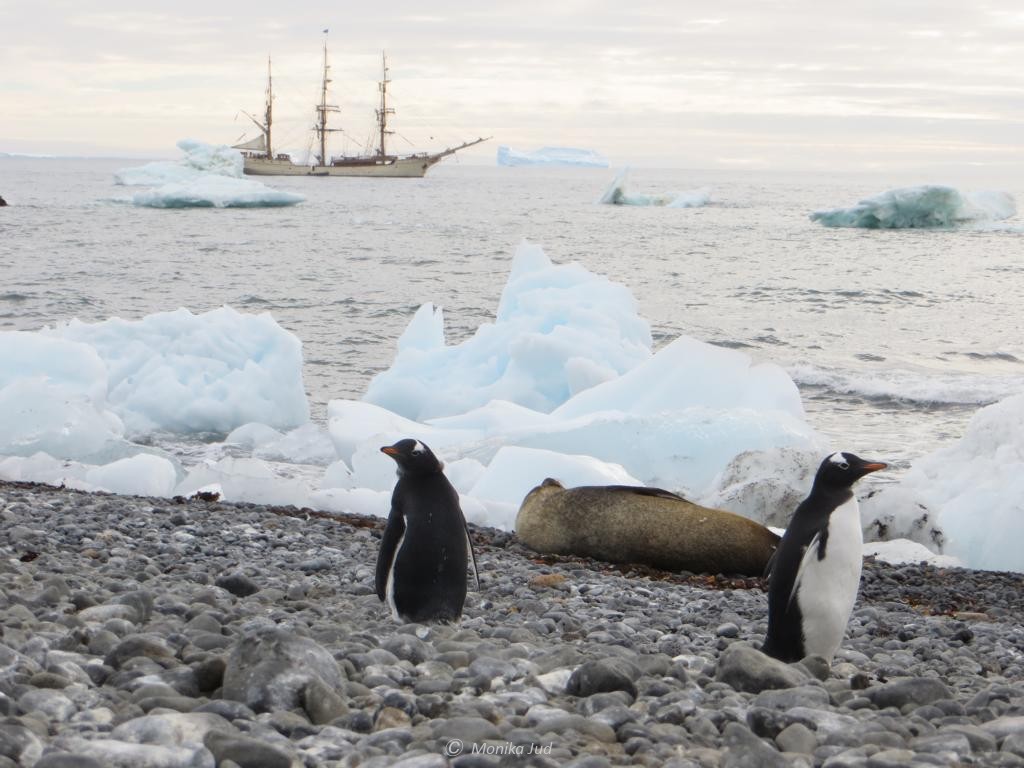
(827, 589)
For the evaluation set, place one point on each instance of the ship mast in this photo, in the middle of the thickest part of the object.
(385, 110)
(270, 101)
(323, 108)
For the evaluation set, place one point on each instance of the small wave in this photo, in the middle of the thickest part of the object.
(910, 387)
(1003, 357)
(13, 296)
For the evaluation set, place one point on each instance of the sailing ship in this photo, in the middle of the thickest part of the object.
(260, 160)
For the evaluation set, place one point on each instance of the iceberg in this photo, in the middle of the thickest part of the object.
(618, 194)
(68, 390)
(216, 192)
(53, 398)
(920, 207)
(975, 488)
(558, 331)
(207, 177)
(674, 419)
(552, 156)
(200, 160)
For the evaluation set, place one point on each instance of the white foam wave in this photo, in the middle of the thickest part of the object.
(911, 386)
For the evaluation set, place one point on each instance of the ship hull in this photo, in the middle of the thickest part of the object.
(401, 167)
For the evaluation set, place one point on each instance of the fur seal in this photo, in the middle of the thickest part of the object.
(815, 574)
(425, 549)
(626, 524)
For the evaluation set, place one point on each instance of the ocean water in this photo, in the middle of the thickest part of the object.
(895, 337)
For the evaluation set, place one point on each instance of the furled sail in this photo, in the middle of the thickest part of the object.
(257, 144)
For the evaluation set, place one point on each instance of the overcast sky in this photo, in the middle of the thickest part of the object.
(785, 84)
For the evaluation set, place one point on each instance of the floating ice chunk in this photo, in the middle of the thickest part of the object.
(141, 475)
(618, 194)
(207, 177)
(200, 160)
(180, 372)
(552, 156)
(52, 398)
(514, 472)
(548, 316)
(923, 206)
(215, 192)
(976, 485)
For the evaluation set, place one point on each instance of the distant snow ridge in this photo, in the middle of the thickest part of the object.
(180, 372)
(558, 330)
(554, 156)
(920, 207)
(618, 194)
(207, 177)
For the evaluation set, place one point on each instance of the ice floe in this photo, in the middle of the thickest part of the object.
(618, 194)
(921, 206)
(207, 177)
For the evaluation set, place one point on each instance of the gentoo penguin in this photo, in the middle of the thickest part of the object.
(815, 572)
(421, 566)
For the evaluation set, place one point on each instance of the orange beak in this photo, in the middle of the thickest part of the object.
(390, 450)
(874, 466)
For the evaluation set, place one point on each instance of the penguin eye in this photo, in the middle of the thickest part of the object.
(843, 465)
(417, 451)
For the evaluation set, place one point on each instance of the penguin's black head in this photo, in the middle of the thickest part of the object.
(413, 457)
(841, 470)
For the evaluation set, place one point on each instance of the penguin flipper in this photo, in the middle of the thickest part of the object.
(393, 532)
(472, 557)
(810, 553)
(770, 565)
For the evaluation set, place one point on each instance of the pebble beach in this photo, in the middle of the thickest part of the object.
(155, 633)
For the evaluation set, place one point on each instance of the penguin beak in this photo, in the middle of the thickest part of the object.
(390, 450)
(874, 466)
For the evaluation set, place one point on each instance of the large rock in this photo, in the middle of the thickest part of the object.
(623, 524)
(270, 669)
(747, 669)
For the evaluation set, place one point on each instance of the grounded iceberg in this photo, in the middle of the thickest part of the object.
(69, 390)
(976, 488)
(207, 177)
(618, 194)
(920, 207)
(558, 330)
(563, 383)
(559, 156)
